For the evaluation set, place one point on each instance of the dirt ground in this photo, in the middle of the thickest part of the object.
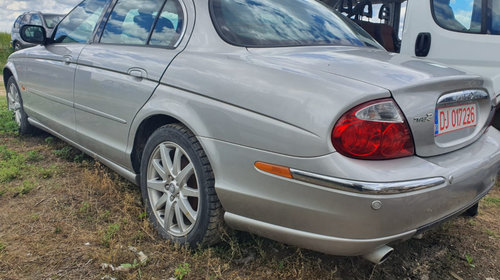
(64, 216)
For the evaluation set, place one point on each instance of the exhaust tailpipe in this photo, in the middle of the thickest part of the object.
(379, 255)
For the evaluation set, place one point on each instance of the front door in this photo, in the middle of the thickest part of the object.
(50, 70)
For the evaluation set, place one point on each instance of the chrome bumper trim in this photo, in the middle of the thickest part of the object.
(381, 188)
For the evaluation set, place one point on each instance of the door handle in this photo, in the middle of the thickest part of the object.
(68, 59)
(138, 73)
(423, 44)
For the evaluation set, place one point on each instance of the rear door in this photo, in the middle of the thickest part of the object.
(50, 70)
(118, 73)
(462, 33)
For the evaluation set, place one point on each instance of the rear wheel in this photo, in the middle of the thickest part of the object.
(15, 104)
(177, 185)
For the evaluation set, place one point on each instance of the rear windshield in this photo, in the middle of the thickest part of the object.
(278, 23)
(52, 20)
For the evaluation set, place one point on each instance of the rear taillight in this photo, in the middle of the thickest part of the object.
(373, 130)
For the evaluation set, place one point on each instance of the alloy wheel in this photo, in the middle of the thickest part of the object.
(172, 187)
(14, 103)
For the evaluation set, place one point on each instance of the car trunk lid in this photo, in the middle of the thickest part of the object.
(422, 89)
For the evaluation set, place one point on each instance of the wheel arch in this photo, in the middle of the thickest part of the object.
(9, 71)
(146, 128)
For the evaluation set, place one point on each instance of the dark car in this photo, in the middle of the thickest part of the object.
(49, 21)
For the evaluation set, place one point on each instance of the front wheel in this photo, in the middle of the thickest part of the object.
(177, 185)
(17, 46)
(15, 104)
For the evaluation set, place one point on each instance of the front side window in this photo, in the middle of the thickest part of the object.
(170, 24)
(272, 23)
(78, 26)
(131, 22)
(459, 15)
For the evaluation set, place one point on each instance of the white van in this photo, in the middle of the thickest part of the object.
(464, 34)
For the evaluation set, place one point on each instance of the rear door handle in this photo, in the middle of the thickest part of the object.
(423, 44)
(138, 73)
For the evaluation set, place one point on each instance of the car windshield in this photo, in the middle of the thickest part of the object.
(278, 23)
(52, 20)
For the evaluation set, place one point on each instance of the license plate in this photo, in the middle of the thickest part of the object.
(454, 118)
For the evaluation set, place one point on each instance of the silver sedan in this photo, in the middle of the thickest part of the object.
(281, 118)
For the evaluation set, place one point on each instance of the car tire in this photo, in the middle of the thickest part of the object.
(17, 46)
(177, 186)
(15, 104)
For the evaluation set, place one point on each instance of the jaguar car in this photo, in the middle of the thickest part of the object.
(280, 118)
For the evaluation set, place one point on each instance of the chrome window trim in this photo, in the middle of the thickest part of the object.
(184, 27)
(376, 188)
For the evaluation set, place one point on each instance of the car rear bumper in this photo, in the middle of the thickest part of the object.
(323, 215)
(330, 244)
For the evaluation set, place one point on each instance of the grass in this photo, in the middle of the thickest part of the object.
(492, 201)
(5, 49)
(7, 124)
(51, 201)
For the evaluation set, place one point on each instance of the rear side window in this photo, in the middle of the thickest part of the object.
(78, 26)
(170, 25)
(131, 22)
(35, 19)
(17, 23)
(26, 19)
(277, 23)
(52, 20)
(459, 15)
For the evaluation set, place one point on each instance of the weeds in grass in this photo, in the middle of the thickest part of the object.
(35, 216)
(7, 124)
(64, 153)
(143, 215)
(85, 208)
(6, 154)
(470, 260)
(492, 234)
(110, 232)
(47, 173)
(34, 156)
(58, 230)
(9, 173)
(25, 188)
(182, 270)
(2, 247)
(492, 201)
(11, 165)
(68, 153)
(49, 140)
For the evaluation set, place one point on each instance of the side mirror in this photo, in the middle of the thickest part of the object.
(34, 34)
